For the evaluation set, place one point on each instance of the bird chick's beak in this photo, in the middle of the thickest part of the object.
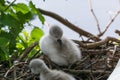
(60, 42)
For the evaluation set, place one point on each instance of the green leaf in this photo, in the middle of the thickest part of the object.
(2, 5)
(5, 35)
(26, 34)
(35, 11)
(41, 18)
(4, 41)
(32, 7)
(7, 19)
(28, 16)
(36, 34)
(2, 2)
(21, 7)
(21, 17)
(20, 46)
(3, 54)
(23, 40)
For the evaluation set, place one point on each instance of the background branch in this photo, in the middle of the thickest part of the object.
(95, 17)
(70, 25)
(95, 44)
(118, 32)
(109, 23)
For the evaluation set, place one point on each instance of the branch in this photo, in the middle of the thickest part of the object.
(24, 54)
(97, 22)
(95, 44)
(86, 71)
(12, 67)
(92, 11)
(70, 25)
(118, 32)
(110, 22)
(10, 5)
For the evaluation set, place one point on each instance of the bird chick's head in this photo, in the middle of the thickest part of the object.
(36, 66)
(56, 32)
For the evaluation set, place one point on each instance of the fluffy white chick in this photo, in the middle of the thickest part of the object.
(38, 66)
(59, 49)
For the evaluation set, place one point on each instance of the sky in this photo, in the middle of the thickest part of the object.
(78, 13)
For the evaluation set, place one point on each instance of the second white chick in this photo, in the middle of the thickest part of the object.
(38, 66)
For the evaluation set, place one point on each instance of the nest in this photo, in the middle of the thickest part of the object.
(96, 64)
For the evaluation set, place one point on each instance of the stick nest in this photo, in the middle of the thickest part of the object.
(96, 64)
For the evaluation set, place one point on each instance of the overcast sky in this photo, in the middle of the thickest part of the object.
(78, 12)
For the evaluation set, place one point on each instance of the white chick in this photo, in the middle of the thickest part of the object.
(59, 49)
(38, 66)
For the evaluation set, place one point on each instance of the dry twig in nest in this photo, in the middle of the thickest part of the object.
(118, 32)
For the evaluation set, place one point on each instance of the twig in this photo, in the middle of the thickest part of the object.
(33, 56)
(93, 51)
(78, 63)
(14, 71)
(114, 50)
(69, 24)
(12, 67)
(24, 74)
(86, 71)
(95, 44)
(118, 32)
(102, 76)
(24, 54)
(110, 22)
(10, 5)
(95, 17)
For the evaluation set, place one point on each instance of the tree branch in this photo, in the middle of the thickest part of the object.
(10, 5)
(70, 25)
(95, 17)
(86, 71)
(110, 22)
(24, 54)
(95, 44)
(118, 32)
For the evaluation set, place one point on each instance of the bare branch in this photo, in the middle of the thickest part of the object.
(12, 68)
(24, 54)
(118, 32)
(86, 71)
(69, 24)
(95, 17)
(95, 44)
(110, 22)
(10, 5)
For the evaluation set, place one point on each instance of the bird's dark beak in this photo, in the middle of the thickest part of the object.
(60, 42)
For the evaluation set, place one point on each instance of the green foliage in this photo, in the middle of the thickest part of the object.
(35, 11)
(25, 39)
(4, 42)
(2, 5)
(36, 34)
(21, 7)
(13, 18)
